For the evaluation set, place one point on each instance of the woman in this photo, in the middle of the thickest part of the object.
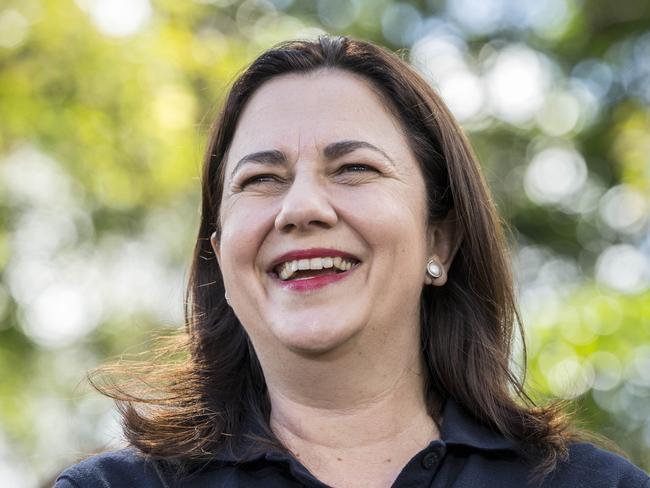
(350, 309)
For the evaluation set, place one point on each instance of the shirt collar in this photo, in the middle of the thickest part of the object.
(459, 428)
(246, 447)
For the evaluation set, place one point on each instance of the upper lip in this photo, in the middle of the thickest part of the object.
(316, 252)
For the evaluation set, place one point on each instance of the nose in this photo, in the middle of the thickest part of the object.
(305, 206)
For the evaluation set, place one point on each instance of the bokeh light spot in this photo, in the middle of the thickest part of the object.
(624, 209)
(559, 115)
(517, 79)
(603, 314)
(401, 23)
(570, 379)
(608, 370)
(174, 107)
(463, 93)
(554, 174)
(14, 28)
(60, 315)
(118, 18)
(437, 56)
(624, 268)
(338, 14)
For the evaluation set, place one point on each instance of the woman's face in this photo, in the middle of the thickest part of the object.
(319, 175)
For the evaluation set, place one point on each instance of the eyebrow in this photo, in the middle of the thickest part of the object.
(332, 151)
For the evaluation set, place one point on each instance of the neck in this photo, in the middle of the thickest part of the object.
(350, 409)
(367, 416)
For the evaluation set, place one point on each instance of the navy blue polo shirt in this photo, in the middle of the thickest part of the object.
(468, 455)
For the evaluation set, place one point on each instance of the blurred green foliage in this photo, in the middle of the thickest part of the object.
(105, 106)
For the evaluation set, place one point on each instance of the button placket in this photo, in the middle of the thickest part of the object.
(431, 460)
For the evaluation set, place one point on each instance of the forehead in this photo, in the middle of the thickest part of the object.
(296, 112)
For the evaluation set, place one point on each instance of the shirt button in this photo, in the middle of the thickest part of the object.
(430, 461)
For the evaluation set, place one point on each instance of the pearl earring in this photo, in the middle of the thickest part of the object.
(434, 270)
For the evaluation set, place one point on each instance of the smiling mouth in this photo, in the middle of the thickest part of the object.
(302, 269)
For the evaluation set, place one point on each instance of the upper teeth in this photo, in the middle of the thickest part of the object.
(287, 269)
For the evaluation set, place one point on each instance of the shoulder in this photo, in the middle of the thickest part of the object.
(590, 466)
(125, 467)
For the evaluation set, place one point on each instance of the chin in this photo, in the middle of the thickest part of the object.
(311, 338)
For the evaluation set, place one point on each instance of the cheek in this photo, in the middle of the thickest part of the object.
(386, 216)
(393, 226)
(244, 226)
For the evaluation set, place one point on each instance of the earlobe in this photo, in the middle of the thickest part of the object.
(445, 240)
(435, 273)
(434, 270)
(214, 242)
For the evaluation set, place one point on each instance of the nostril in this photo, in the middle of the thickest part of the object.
(285, 225)
(302, 210)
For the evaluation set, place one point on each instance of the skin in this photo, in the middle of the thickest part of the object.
(341, 362)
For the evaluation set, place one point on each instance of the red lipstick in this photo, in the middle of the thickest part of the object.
(313, 282)
(315, 252)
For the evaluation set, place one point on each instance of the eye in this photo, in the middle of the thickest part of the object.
(356, 173)
(260, 179)
(356, 168)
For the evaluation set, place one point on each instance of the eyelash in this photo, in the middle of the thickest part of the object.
(357, 166)
(264, 178)
(271, 178)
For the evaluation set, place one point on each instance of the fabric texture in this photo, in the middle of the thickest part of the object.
(468, 455)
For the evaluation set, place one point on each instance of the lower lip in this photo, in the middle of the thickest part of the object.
(313, 283)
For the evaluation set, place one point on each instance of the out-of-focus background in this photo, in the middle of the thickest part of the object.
(104, 110)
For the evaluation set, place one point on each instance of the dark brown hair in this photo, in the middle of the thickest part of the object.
(189, 409)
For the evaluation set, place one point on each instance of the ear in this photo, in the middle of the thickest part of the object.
(214, 242)
(445, 238)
